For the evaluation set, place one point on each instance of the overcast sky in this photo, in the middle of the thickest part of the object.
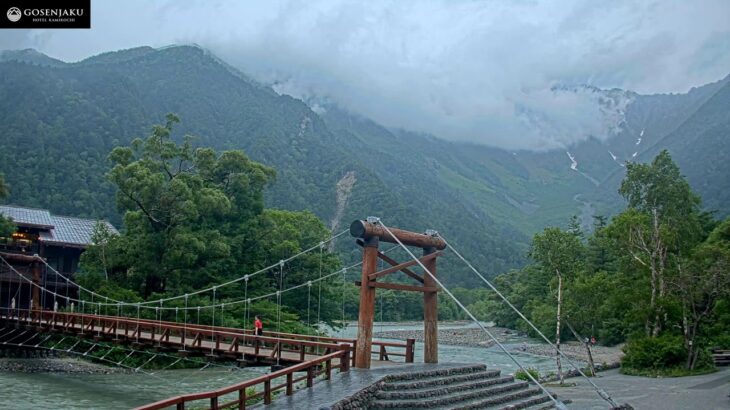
(481, 71)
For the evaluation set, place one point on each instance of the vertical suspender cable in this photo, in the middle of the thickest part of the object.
(247, 304)
(309, 301)
(212, 323)
(319, 284)
(185, 322)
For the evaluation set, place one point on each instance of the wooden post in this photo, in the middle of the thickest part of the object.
(36, 289)
(410, 350)
(289, 384)
(367, 305)
(430, 312)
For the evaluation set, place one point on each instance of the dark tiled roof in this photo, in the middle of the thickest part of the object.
(57, 230)
(38, 218)
(72, 231)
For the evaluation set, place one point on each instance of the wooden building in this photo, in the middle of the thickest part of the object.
(58, 240)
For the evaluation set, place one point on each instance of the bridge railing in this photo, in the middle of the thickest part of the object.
(313, 368)
(382, 349)
(171, 334)
(220, 340)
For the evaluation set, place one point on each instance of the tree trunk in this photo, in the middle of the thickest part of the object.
(557, 329)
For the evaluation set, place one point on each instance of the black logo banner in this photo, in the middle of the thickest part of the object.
(45, 14)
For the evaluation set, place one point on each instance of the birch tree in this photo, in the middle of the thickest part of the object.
(560, 254)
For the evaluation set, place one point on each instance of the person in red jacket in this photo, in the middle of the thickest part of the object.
(258, 326)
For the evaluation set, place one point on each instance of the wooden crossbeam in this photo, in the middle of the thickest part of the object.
(399, 286)
(403, 265)
(393, 262)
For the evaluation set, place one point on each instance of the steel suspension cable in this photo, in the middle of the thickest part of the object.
(602, 393)
(236, 280)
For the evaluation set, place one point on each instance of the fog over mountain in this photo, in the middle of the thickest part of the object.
(502, 73)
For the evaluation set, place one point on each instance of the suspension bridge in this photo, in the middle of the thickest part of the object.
(297, 360)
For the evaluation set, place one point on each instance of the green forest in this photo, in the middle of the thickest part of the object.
(195, 218)
(656, 277)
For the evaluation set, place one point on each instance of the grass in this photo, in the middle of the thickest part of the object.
(667, 372)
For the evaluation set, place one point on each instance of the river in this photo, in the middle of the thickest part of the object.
(125, 390)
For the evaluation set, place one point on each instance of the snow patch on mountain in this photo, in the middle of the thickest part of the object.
(573, 162)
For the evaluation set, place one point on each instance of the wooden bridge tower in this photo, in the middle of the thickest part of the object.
(370, 234)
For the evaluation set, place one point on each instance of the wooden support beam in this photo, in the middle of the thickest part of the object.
(430, 311)
(403, 265)
(365, 230)
(399, 286)
(393, 262)
(367, 306)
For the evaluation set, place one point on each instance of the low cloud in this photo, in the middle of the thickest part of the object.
(502, 73)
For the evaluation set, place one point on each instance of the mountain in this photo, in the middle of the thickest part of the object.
(58, 122)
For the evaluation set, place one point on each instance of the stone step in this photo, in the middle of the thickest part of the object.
(448, 386)
(513, 400)
(433, 381)
(497, 392)
(449, 371)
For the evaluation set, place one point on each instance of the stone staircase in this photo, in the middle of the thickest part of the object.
(466, 387)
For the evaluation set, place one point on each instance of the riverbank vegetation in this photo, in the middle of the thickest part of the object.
(195, 218)
(657, 276)
(654, 277)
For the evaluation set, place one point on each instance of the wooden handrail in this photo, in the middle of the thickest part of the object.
(213, 395)
(278, 335)
(161, 332)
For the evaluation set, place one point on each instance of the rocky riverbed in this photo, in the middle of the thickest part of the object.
(574, 350)
(473, 337)
(607, 357)
(54, 365)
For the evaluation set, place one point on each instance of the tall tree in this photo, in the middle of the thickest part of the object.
(183, 207)
(701, 281)
(662, 223)
(559, 253)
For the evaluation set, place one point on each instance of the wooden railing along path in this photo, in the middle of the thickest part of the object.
(312, 368)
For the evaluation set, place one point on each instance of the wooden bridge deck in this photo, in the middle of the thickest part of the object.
(201, 340)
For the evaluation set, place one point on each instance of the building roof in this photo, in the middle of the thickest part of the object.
(31, 217)
(55, 229)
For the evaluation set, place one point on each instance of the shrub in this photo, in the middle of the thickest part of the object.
(720, 342)
(522, 374)
(664, 355)
(655, 352)
(612, 332)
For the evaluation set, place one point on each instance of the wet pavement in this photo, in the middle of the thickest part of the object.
(327, 392)
(705, 392)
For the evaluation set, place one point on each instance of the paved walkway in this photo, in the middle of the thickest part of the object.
(328, 392)
(706, 392)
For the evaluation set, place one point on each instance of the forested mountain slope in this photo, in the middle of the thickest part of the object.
(58, 122)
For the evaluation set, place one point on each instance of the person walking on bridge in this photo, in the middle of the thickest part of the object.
(258, 326)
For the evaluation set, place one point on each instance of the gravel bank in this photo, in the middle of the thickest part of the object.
(54, 365)
(473, 337)
(574, 350)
